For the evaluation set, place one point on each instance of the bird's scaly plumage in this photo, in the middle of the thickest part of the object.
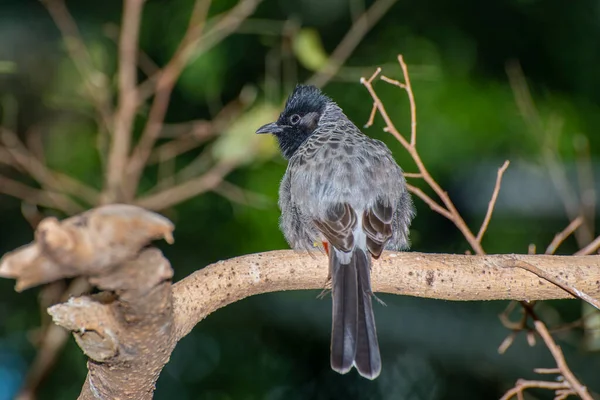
(343, 188)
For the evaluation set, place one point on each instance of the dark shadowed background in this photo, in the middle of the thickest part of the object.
(276, 346)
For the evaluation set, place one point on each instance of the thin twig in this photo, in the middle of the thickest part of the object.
(590, 248)
(127, 103)
(563, 235)
(549, 371)
(429, 201)
(344, 49)
(559, 282)
(371, 116)
(524, 384)
(492, 204)
(411, 98)
(414, 175)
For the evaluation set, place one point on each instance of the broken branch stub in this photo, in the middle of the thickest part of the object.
(87, 244)
(127, 333)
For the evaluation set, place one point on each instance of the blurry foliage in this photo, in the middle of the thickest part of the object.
(276, 346)
(309, 49)
(235, 143)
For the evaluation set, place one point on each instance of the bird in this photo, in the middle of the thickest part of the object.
(344, 193)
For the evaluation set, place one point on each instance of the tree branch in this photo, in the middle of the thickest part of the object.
(351, 40)
(193, 42)
(127, 104)
(47, 178)
(193, 187)
(43, 198)
(438, 276)
(490, 210)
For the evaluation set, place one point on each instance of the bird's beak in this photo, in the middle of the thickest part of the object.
(270, 128)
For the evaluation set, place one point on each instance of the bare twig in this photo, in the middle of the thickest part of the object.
(344, 49)
(525, 384)
(429, 201)
(590, 248)
(563, 235)
(127, 104)
(561, 363)
(414, 175)
(451, 211)
(556, 280)
(490, 210)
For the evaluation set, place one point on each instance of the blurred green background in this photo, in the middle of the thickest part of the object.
(276, 346)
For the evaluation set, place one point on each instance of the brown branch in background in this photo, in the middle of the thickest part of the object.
(239, 195)
(51, 342)
(590, 248)
(189, 135)
(492, 203)
(95, 82)
(40, 197)
(165, 83)
(146, 64)
(361, 26)
(184, 191)
(54, 181)
(127, 102)
(563, 235)
(549, 151)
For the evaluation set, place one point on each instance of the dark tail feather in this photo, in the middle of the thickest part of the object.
(345, 313)
(367, 359)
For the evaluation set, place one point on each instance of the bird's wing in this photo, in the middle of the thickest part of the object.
(337, 226)
(377, 224)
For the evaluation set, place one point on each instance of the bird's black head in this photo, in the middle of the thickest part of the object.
(299, 119)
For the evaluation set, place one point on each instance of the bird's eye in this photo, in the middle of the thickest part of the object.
(294, 119)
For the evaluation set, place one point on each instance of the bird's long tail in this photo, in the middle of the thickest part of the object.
(353, 336)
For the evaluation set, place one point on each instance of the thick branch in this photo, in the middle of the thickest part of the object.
(439, 276)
